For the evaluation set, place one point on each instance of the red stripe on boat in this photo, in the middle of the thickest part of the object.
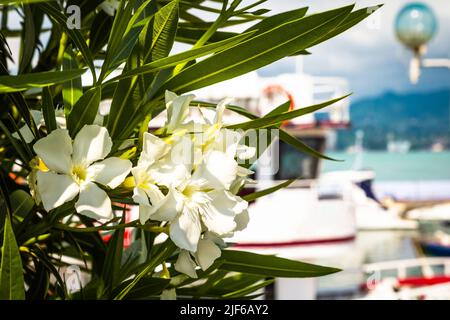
(421, 281)
(294, 243)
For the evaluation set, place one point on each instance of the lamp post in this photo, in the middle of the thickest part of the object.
(415, 26)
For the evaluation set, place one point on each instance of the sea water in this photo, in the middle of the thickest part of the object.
(419, 175)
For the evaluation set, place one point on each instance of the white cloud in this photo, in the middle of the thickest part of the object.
(372, 58)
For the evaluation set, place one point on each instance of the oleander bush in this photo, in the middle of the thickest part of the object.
(70, 172)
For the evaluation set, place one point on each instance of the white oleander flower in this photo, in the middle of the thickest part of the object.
(209, 249)
(110, 6)
(190, 179)
(203, 201)
(177, 110)
(160, 164)
(75, 167)
(217, 137)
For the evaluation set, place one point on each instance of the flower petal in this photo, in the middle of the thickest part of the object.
(220, 109)
(91, 144)
(242, 220)
(144, 213)
(55, 189)
(177, 109)
(26, 133)
(218, 216)
(169, 174)
(168, 208)
(140, 197)
(185, 264)
(94, 202)
(149, 200)
(207, 253)
(185, 230)
(154, 148)
(55, 150)
(227, 141)
(219, 169)
(110, 172)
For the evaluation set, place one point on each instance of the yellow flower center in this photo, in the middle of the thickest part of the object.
(79, 173)
(190, 190)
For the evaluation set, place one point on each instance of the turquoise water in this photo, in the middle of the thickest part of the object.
(412, 166)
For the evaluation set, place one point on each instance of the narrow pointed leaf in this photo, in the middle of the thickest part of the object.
(301, 146)
(265, 192)
(84, 111)
(11, 274)
(351, 20)
(257, 52)
(75, 35)
(176, 59)
(48, 110)
(270, 120)
(164, 30)
(252, 263)
(278, 19)
(113, 259)
(36, 80)
(72, 89)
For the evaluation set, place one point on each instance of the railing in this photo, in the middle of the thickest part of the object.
(426, 265)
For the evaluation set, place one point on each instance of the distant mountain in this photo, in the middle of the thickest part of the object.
(421, 118)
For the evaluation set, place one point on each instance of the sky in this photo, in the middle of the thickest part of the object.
(369, 55)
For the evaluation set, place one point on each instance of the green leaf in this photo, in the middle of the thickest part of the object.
(11, 275)
(164, 30)
(21, 203)
(17, 2)
(84, 111)
(75, 35)
(191, 35)
(113, 259)
(146, 288)
(72, 89)
(165, 251)
(99, 31)
(283, 135)
(252, 263)
(278, 19)
(122, 107)
(351, 20)
(241, 293)
(48, 110)
(23, 155)
(36, 80)
(122, 38)
(28, 43)
(257, 52)
(185, 56)
(301, 146)
(124, 115)
(265, 192)
(301, 53)
(270, 120)
(126, 47)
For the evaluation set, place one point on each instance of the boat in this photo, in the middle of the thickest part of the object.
(317, 217)
(411, 279)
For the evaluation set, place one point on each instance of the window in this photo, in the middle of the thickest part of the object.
(294, 164)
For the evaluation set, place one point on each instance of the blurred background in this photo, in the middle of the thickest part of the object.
(382, 214)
